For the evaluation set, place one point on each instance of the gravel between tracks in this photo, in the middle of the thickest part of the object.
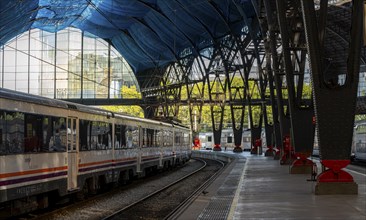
(105, 205)
(163, 203)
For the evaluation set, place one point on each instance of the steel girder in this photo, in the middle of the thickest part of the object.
(293, 63)
(214, 70)
(276, 74)
(217, 76)
(259, 84)
(283, 70)
(240, 67)
(194, 81)
(335, 101)
(232, 57)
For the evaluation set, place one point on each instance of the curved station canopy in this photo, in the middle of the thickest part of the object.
(148, 33)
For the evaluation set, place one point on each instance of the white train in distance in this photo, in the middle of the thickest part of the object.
(51, 149)
(359, 143)
(358, 152)
(227, 139)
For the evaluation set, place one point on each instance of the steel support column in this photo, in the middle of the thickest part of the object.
(278, 76)
(294, 56)
(238, 92)
(217, 85)
(335, 103)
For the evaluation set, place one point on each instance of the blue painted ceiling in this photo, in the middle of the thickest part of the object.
(148, 33)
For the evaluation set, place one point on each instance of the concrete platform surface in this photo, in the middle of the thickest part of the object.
(258, 187)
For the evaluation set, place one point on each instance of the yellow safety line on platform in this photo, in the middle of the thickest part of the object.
(237, 193)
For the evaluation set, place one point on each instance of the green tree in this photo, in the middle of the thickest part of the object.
(130, 92)
(134, 110)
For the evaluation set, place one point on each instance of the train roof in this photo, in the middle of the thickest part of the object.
(25, 97)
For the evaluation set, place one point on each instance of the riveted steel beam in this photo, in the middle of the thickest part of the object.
(276, 71)
(335, 83)
(335, 103)
(294, 57)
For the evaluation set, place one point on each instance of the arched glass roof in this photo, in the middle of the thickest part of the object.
(148, 33)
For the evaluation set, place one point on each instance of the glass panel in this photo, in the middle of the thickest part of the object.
(34, 133)
(1, 65)
(74, 62)
(56, 134)
(47, 68)
(14, 128)
(132, 137)
(89, 66)
(69, 134)
(101, 135)
(9, 68)
(150, 137)
(22, 42)
(34, 76)
(73, 134)
(22, 63)
(48, 46)
(35, 47)
(22, 71)
(41, 65)
(61, 83)
(116, 79)
(101, 70)
(62, 60)
(84, 135)
(120, 137)
(3, 141)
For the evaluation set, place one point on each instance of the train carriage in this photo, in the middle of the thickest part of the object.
(359, 142)
(227, 139)
(358, 152)
(50, 147)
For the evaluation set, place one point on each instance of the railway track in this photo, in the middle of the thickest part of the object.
(102, 205)
(170, 201)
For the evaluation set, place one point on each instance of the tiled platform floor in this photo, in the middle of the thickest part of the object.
(257, 187)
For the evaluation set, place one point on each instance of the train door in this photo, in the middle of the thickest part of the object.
(72, 149)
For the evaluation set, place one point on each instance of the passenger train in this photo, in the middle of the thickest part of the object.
(359, 142)
(51, 148)
(227, 139)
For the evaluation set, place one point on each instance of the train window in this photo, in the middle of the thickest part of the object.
(100, 135)
(209, 138)
(107, 138)
(360, 147)
(229, 139)
(168, 138)
(54, 132)
(44, 133)
(144, 137)
(186, 139)
(361, 128)
(12, 132)
(31, 133)
(159, 138)
(163, 138)
(178, 138)
(150, 137)
(84, 135)
(120, 137)
(132, 137)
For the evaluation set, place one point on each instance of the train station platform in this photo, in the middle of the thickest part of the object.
(258, 187)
